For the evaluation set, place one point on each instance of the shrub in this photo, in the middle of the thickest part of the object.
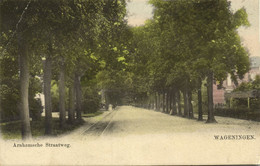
(35, 109)
(91, 100)
(240, 113)
(9, 99)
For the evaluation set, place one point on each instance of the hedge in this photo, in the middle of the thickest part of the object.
(240, 113)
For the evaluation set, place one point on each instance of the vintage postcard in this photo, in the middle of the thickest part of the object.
(129, 82)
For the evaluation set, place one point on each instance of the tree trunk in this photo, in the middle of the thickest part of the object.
(24, 86)
(191, 115)
(155, 101)
(78, 97)
(211, 118)
(47, 91)
(0, 77)
(178, 96)
(170, 102)
(71, 112)
(0, 116)
(174, 110)
(200, 118)
(159, 102)
(62, 94)
(150, 102)
(167, 102)
(163, 101)
(185, 103)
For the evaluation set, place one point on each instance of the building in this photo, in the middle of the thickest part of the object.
(228, 84)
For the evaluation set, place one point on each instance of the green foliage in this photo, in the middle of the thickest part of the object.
(10, 98)
(89, 115)
(183, 43)
(241, 113)
(55, 96)
(116, 84)
(10, 130)
(244, 86)
(35, 105)
(256, 83)
(80, 32)
(91, 100)
(247, 86)
(204, 99)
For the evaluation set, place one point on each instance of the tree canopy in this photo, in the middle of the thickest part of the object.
(72, 52)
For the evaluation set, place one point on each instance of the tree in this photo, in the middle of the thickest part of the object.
(212, 27)
(22, 24)
(222, 40)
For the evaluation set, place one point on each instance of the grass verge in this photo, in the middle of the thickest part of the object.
(12, 130)
(89, 115)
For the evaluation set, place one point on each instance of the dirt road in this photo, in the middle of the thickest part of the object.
(130, 135)
(127, 121)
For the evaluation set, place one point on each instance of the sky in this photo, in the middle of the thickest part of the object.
(140, 10)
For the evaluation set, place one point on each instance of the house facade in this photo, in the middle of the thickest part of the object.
(228, 84)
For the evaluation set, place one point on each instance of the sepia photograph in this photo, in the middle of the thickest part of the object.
(129, 82)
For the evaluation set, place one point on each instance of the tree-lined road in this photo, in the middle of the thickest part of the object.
(130, 135)
(83, 55)
(135, 136)
(99, 58)
(128, 120)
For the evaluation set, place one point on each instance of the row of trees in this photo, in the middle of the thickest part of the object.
(185, 45)
(66, 41)
(86, 46)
